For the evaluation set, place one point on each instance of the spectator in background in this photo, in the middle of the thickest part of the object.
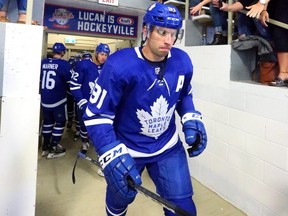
(54, 82)
(256, 9)
(22, 8)
(1, 3)
(219, 19)
(3, 11)
(246, 25)
(280, 36)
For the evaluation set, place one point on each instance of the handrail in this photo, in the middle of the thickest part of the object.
(272, 21)
(230, 24)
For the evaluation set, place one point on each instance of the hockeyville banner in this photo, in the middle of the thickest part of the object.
(61, 18)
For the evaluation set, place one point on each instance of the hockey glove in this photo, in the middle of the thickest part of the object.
(118, 166)
(195, 133)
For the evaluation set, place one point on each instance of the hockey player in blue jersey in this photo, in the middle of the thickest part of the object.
(102, 53)
(70, 99)
(54, 82)
(82, 83)
(130, 117)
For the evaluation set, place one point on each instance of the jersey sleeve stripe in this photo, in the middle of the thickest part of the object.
(55, 104)
(97, 122)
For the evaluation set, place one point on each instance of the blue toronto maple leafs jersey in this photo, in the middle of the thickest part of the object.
(131, 104)
(54, 82)
(83, 79)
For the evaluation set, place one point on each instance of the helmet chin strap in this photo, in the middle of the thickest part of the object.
(162, 70)
(145, 34)
(143, 40)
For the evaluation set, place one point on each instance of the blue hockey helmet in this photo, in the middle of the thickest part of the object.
(103, 48)
(72, 61)
(163, 15)
(86, 55)
(58, 48)
(78, 57)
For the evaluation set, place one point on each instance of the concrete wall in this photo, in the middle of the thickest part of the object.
(20, 58)
(246, 160)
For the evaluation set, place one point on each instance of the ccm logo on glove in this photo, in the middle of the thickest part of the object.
(111, 154)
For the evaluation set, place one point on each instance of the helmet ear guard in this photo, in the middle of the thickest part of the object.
(180, 35)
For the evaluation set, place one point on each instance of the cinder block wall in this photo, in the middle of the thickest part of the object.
(246, 160)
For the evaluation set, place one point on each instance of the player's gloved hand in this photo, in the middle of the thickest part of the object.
(195, 133)
(118, 166)
(82, 105)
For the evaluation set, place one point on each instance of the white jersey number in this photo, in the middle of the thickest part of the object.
(48, 81)
(98, 96)
(75, 75)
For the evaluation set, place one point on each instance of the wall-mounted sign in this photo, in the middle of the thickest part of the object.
(109, 2)
(67, 19)
(69, 40)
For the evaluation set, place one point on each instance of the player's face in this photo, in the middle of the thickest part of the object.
(161, 41)
(101, 57)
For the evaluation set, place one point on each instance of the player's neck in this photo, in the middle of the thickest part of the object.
(97, 62)
(148, 54)
(57, 56)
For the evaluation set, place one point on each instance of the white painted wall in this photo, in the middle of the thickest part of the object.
(246, 160)
(20, 58)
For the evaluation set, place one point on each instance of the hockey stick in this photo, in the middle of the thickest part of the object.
(155, 197)
(73, 172)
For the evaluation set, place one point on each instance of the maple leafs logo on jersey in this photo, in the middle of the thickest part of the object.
(156, 123)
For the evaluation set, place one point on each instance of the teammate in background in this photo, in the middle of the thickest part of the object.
(130, 117)
(54, 82)
(71, 107)
(82, 83)
(102, 53)
(70, 99)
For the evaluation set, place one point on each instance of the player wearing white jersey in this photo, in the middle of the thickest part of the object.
(131, 115)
